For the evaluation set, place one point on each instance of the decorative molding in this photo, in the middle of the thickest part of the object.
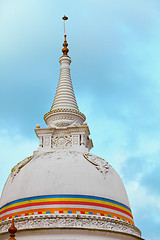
(16, 169)
(46, 141)
(62, 124)
(101, 164)
(75, 124)
(64, 110)
(49, 136)
(62, 117)
(71, 221)
(62, 141)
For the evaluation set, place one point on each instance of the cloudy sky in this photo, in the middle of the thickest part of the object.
(114, 46)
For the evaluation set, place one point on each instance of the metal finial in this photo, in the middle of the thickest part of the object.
(12, 230)
(65, 19)
(65, 50)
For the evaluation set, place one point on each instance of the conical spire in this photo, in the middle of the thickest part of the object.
(64, 111)
(65, 97)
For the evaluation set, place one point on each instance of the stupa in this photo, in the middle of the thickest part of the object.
(63, 191)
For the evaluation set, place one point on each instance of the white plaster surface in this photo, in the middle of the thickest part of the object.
(63, 172)
(68, 234)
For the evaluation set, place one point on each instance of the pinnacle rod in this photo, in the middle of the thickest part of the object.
(65, 18)
(64, 29)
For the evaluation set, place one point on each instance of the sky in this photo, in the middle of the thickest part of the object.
(114, 46)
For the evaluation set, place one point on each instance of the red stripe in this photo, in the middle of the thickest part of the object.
(82, 211)
(67, 202)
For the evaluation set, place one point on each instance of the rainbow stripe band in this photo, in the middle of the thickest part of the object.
(71, 204)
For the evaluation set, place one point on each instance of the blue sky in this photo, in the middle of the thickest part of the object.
(114, 46)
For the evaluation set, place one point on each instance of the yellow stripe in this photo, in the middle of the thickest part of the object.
(66, 199)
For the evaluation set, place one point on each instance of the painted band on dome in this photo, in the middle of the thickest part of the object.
(66, 203)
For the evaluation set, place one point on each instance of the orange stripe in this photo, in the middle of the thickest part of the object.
(52, 211)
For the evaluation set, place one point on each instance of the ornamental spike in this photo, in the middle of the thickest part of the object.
(65, 50)
(12, 230)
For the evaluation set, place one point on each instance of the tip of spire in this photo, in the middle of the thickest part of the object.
(65, 50)
(65, 18)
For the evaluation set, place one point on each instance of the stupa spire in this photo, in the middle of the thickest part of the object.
(65, 50)
(64, 111)
(66, 128)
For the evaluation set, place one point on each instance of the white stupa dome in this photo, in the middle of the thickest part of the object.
(66, 173)
(63, 186)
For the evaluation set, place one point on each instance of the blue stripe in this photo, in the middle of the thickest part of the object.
(65, 196)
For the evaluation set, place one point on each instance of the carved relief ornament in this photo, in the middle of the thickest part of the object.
(68, 221)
